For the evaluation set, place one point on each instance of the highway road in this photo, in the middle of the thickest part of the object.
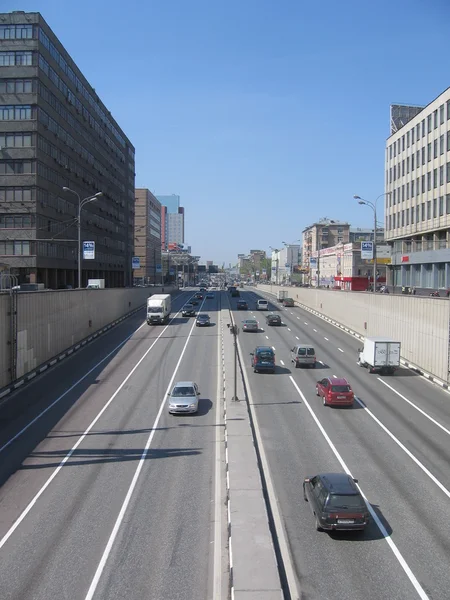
(395, 441)
(105, 495)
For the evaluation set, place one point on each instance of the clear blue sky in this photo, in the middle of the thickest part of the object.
(263, 115)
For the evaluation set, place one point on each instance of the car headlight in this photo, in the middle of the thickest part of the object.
(193, 405)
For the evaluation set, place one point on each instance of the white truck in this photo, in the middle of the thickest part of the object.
(158, 308)
(95, 284)
(380, 355)
(281, 295)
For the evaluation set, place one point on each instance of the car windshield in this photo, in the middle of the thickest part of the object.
(187, 306)
(202, 317)
(345, 501)
(179, 392)
(340, 388)
(154, 309)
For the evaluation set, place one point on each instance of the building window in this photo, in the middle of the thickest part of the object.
(441, 206)
(441, 175)
(435, 179)
(403, 218)
(435, 208)
(435, 149)
(412, 136)
(16, 32)
(393, 221)
(403, 143)
(423, 184)
(448, 110)
(16, 221)
(429, 181)
(423, 212)
(429, 215)
(441, 114)
(21, 112)
(407, 139)
(412, 188)
(403, 168)
(429, 124)
(16, 167)
(15, 248)
(16, 86)
(398, 146)
(393, 196)
(407, 191)
(441, 144)
(403, 193)
(15, 140)
(390, 152)
(417, 214)
(429, 151)
(423, 128)
(407, 217)
(17, 194)
(418, 131)
(423, 155)
(448, 172)
(447, 202)
(412, 162)
(407, 164)
(448, 141)
(412, 215)
(435, 119)
(16, 59)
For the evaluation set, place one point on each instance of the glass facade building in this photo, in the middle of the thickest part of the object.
(55, 132)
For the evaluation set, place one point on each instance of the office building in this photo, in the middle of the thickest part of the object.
(171, 202)
(175, 227)
(417, 200)
(147, 239)
(56, 133)
(325, 233)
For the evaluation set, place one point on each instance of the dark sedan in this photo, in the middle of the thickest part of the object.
(242, 305)
(273, 320)
(203, 320)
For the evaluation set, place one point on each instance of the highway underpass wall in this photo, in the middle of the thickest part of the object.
(421, 324)
(49, 322)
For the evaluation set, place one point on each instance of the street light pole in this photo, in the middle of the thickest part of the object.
(81, 203)
(234, 331)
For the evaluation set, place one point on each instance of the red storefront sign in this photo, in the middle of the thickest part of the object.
(405, 258)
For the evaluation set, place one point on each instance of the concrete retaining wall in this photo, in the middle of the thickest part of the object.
(420, 323)
(50, 322)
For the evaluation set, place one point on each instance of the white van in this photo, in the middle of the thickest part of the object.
(262, 305)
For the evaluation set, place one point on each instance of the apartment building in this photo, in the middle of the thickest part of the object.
(325, 233)
(59, 145)
(417, 200)
(147, 239)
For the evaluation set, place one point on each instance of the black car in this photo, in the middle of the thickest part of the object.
(203, 320)
(194, 301)
(336, 502)
(273, 320)
(242, 305)
(199, 296)
(188, 310)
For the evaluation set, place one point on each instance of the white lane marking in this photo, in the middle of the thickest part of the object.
(305, 321)
(298, 317)
(73, 386)
(340, 350)
(112, 537)
(281, 362)
(217, 573)
(24, 513)
(447, 431)
(296, 337)
(273, 348)
(315, 330)
(267, 337)
(373, 514)
(335, 376)
(292, 313)
(326, 339)
(289, 329)
(405, 449)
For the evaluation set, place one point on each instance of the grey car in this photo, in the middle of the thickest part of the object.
(183, 398)
(188, 310)
(250, 325)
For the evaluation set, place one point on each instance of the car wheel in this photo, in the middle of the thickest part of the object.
(313, 366)
(297, 365)
(324, 401)
(317, 391)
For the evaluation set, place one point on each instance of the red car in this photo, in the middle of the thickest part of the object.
(335, 391)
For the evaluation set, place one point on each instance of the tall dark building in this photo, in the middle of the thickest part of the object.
(56, 133)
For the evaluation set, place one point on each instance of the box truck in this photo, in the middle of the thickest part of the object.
(95, 284)
(380, 355)
(281, 295)
(158, 308)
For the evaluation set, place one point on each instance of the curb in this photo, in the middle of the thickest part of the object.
(409, 365)
(13, 386)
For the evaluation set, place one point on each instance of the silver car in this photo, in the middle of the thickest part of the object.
(250, 325)
(183, 398)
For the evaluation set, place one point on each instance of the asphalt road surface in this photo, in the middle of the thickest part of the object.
(395, 441)
(104, 494)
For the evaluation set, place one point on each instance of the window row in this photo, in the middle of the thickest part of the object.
(420, 157)
(431, 209)
(17, 167)
(17, 221)
(72, 99)
(17, 86)
(16, 59)
(79, 86)
(17, 194)
(19, 112)
(69, 252)
(421, 185)
(16, 140)
(16, 32)
(433, 120)
(15, 248)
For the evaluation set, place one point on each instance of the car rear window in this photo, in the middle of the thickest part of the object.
(311, 351)
(340, 388)
(262, 301)
(266, 354)
(345, 501)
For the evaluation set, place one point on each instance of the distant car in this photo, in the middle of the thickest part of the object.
(288, 302)
(188, 310)
(335, 391)
(303, 355)
(199, 296)
(203, 289)
(203, 320)
(183, 398)
(263, 359)
(194, 301)
(242, 305)
(336, 502)
(250, 325)
(273, 319)
(262, 305)
(210, 296)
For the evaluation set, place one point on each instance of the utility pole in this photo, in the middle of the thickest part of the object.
(234, 330)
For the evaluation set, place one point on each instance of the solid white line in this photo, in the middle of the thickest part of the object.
(447, 431)
(340, 350)
(326, 339)
(22, 516)
(217, 575)
(41, 414)
(112, 537)
(281, 362)
(405, 450)
(381, 527)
